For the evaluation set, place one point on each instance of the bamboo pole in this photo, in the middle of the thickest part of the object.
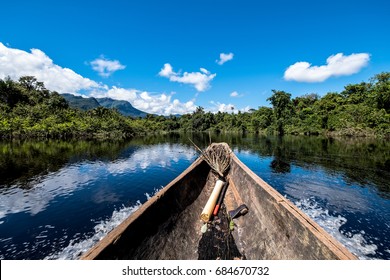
(210, 205)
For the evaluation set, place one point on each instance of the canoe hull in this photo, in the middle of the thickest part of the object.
(168, 225)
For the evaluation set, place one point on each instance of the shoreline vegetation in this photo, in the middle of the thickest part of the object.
(30, 111)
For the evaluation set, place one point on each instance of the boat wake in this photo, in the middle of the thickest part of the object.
(356, 243)
(77, 247)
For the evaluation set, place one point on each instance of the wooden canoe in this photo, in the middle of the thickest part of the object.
(168, 225)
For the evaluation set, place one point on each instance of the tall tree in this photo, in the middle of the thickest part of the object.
(31, 83)
(381, 90)
(281, 103)
(11, 93)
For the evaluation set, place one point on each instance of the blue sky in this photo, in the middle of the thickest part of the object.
(165, 56)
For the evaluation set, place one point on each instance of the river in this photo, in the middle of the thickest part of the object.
(58, 198)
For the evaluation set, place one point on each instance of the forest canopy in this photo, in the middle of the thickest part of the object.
(29, 110)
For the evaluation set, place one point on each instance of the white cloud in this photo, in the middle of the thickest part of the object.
(153, 103)
(205, 71)
(106, 67)
(200, 80)
(167, 71)
(17, 63)
(163, 104)
(246, 109)
(226, 108)
(117, 94)
(224, 57)
(235, 94)
(336, 65)
(222, 107)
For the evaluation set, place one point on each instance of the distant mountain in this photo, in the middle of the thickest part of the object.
(81, 102)
(124, 107)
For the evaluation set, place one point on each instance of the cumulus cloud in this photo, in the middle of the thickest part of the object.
(167, 71)
(336, 65)
(224, 57)
(200, 80)
(106, 67)
(226, 108)
(16, 63)
(153, 103)
(235, 94)
(162, 104)
(222, 107)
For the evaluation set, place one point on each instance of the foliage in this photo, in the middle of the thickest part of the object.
(28, 109)
(281, 103)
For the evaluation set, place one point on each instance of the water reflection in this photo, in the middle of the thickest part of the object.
(280, 166)
(362, 161)
(65, 181)
(25, 163)
(161, 155)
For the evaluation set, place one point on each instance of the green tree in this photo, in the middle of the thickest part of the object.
(56, 101)
(11, 93)
(201, 121)
(281, 103)
(356, 94)
(381, 90)
(326, 106)
(305, 101)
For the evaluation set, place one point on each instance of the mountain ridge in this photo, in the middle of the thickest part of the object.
(88, 103)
